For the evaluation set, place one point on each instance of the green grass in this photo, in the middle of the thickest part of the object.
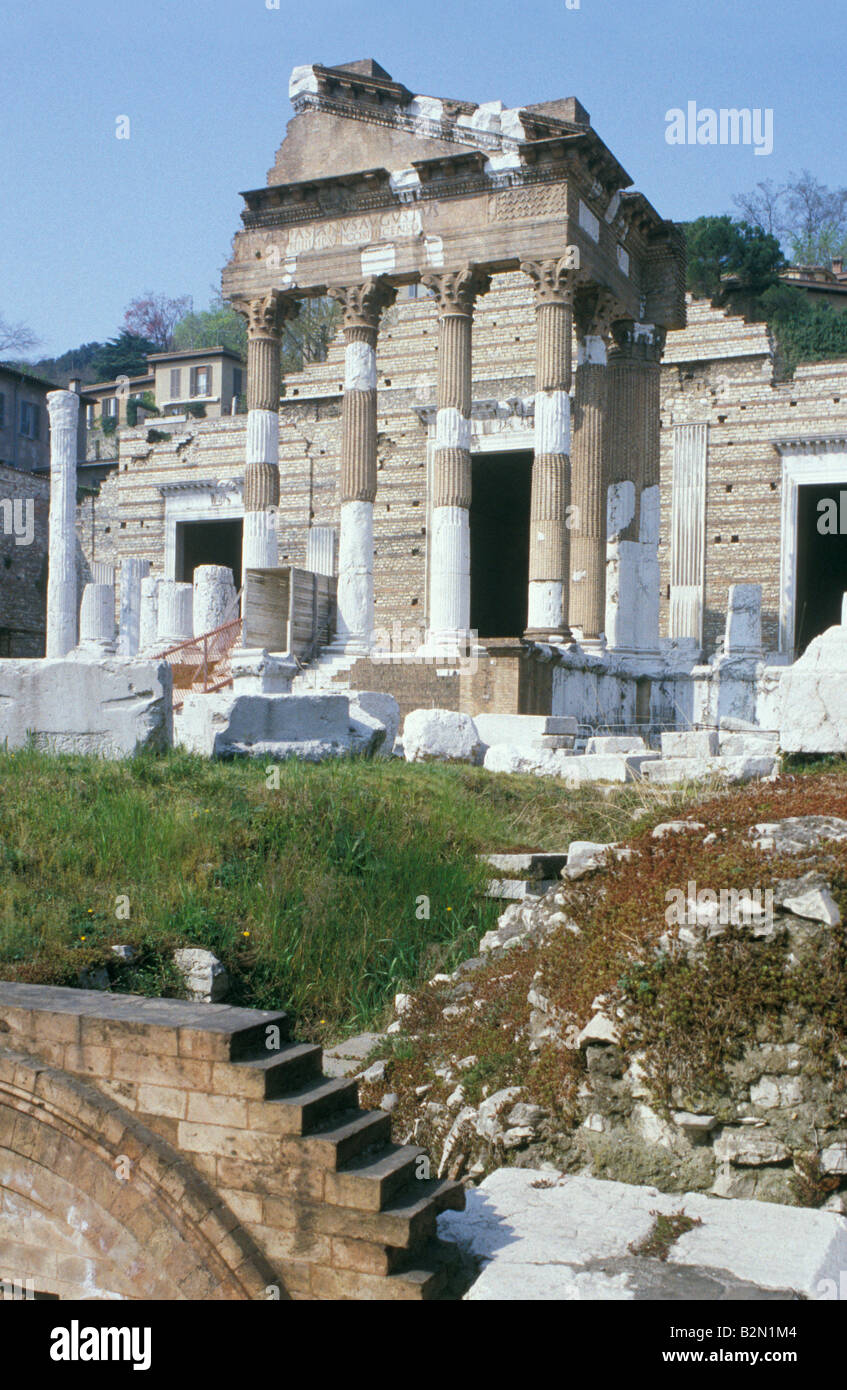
(310, 893)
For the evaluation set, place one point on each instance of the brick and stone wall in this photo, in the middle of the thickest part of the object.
(720, 371)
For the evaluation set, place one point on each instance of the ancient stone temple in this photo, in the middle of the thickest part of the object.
(377, 192)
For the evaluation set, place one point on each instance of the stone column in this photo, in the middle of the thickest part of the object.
(322, 550)
(456, 292)
(148, 622)
(549, 542)
(133, 571)
(265, 317)
(594, 312)
(632, 610)
(215, 599)
(97, 620)
(688, 532)
(362, 305)
(176, 624)
(63, 407)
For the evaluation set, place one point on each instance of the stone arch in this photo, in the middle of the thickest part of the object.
(72, 1223)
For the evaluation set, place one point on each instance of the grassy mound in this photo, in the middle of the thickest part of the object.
(350, 881)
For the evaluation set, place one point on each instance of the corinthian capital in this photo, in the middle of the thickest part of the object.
(363, 304)
(595, 310)
(266, 314)
(456, 291)
(554, 281)
(637, 342)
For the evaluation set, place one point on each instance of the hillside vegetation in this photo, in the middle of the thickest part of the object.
(350, 882)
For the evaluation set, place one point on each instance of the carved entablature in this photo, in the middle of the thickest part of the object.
(363, 303)
(427, 183)
(456, 291)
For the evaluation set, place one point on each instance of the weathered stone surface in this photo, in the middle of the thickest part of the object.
(814, 697)
(525, 730)
(536, 762)
(616, 743)
(542, 1235)
(692, 743)
(440, 735)
(747, 1148)
(798, 834)
(601, 1029)
(676, 827)
(748, 744)
(669, 770)
(206, 979)
(517, 889)
(112, 708)
(539, 865)
(381, 707)
(814, 902)
(312, 727)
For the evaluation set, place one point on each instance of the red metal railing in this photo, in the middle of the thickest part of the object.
(203, 663)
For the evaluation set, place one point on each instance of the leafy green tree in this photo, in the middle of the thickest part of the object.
(125, 355)
(217, 326)
(726, 254)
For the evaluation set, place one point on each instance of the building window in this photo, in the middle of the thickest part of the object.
(30, 423)
(237, 381)
(176, 383)
(201, 381)
(110, 407)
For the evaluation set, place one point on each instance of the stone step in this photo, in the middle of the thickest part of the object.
(370, 1182)
(300, 1111)
(277, 1073)
(517, 889)
(537, 864)
(346, 1137)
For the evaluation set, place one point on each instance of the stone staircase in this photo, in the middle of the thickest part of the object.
(328, 671)
(340, 1211)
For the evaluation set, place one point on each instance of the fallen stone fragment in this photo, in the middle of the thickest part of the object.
(676, 827)
(440, 735)
(206, 979)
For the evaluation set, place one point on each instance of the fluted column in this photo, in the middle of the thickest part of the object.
(362, 305)
(265, 317)
(549, 548)
(632, 610)
(456, 292)
(63, 407)
(594, 313)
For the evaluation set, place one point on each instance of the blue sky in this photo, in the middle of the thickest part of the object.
(88, 222)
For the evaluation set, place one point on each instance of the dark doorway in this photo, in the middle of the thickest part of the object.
(821, 561)
(500, 486)
(208, 543)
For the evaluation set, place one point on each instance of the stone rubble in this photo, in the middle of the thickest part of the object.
(743, 1141)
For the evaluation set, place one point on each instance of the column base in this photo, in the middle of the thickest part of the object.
(560, 637)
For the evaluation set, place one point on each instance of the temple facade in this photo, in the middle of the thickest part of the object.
(522, 437)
